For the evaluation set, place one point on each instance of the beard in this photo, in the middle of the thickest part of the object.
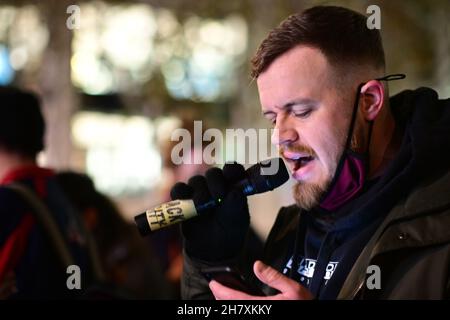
(307, 195)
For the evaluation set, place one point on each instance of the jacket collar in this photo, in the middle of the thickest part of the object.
(32, 173)
(26, 172)
(421, 220)
(431, 195)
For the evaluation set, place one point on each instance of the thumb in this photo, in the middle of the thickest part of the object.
(289, 288)
(272, 277)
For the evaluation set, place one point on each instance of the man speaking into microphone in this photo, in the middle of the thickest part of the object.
(371, 212)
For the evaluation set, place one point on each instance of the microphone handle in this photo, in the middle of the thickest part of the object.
(176, 211)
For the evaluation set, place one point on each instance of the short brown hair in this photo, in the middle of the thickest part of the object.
(341, 34)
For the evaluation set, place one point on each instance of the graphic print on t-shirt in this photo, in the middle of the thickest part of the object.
(305, 271)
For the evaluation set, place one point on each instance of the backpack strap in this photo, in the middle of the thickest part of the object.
(44, 218)
(14, 247)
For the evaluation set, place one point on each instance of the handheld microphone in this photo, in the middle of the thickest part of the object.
(261, 177)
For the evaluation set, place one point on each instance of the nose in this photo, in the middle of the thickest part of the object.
(284, 132)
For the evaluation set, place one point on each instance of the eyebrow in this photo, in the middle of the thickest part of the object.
(295, 102)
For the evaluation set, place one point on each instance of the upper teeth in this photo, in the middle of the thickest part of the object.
(300, 157)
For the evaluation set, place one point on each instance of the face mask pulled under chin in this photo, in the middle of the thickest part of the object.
(348, 181)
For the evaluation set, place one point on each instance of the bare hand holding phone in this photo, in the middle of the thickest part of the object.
(231, 278)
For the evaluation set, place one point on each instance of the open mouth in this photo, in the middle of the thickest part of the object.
(301, 162)
(297, 161)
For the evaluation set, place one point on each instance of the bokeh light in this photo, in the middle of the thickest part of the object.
(120, 154)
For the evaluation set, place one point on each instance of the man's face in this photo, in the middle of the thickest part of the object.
(310, 116)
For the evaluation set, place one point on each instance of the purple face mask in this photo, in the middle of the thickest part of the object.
(349, 181)
(352, 170)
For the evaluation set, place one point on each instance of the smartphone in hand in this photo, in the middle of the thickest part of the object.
(231, 278)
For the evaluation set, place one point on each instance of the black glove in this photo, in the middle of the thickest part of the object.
(219, 233)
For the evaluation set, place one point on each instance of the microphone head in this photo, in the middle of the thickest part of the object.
(267, 175)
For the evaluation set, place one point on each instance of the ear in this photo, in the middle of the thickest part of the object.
(372, 99)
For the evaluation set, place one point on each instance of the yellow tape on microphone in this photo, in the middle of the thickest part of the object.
(170, 213)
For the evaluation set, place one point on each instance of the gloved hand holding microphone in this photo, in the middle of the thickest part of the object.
(217, 202)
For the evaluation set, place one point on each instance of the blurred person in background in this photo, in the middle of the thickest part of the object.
(132, 271)
(40, 236)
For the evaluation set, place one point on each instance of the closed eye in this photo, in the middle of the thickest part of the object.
(303, 114)
(271, 117)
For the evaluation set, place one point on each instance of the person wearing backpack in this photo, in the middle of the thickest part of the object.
(40, 236)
